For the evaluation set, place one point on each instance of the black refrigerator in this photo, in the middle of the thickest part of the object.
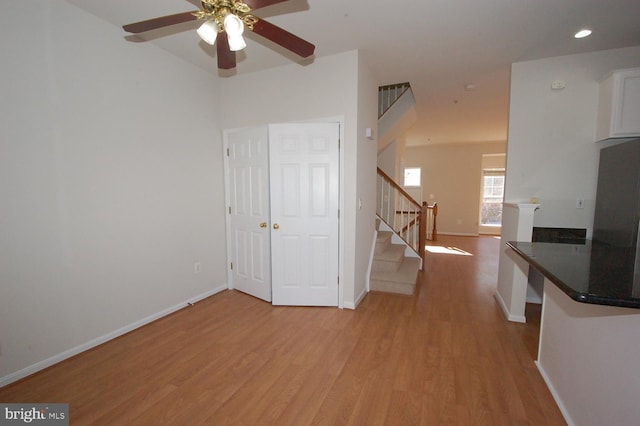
(617, 214)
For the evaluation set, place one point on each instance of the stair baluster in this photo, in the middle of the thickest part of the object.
(387, 95)
(413, 222)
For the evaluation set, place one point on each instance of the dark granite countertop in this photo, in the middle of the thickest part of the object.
(590, 273)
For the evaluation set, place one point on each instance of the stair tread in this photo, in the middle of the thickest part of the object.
(407, 273)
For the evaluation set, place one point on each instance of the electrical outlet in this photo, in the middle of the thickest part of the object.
(196, 268)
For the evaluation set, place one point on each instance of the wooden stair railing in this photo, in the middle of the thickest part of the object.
(388, 95)
(414, 223)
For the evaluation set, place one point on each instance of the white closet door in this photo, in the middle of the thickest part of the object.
(304, 181)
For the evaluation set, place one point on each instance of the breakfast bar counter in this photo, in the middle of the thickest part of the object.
(590, 330)
(591, 272)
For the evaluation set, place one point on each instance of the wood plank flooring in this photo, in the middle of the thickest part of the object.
(445, 356)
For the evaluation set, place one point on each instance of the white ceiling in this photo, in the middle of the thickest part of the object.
(436, 45)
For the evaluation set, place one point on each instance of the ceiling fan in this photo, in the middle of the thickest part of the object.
(224, 22)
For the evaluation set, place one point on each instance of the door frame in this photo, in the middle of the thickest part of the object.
(341, 232)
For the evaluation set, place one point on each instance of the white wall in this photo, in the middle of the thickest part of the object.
(330, 87)
(551, 150)
(451, 176)
(588, 356)
(365, 185)
(110, 184)
(388, 159)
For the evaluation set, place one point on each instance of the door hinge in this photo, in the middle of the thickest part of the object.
(231, 265)
(339, 144)
(229, 209)
(338, 213)
(228, 152)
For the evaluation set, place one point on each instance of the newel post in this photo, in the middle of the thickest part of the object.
(422, 238)
(434, 234)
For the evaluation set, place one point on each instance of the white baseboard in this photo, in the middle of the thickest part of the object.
(34, 368)
(370, 266)
(367, 288)
(354, 305)
(554, 393)
(361, 296)
(459, 234)
(505, 311)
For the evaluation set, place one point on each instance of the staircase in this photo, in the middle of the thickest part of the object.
(403, 224)
(392, 271)
(396, 113)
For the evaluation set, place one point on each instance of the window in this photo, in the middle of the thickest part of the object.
(493, 193)
(412, 176)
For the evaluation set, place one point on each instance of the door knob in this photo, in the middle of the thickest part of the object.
(276, 226)
(263, 225)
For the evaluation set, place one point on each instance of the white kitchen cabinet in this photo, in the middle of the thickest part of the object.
(619, 105)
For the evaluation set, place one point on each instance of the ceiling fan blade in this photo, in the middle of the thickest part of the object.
(163, 21)
(284, 38)
(226, 58)
(257, 4)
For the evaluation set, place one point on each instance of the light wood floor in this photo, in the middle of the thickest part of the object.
(444, 356)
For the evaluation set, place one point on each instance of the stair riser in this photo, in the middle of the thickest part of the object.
(391, 271)
(386, 266)
(382, 246)
(392, 287)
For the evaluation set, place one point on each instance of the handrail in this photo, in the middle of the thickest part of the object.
(412, 222)
(396, 186)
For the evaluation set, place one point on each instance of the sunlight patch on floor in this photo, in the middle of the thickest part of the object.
(447, 250)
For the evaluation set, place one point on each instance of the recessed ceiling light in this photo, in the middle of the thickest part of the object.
(582, 33)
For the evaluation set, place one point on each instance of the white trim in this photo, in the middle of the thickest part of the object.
(34, 368)
(359, 299)
(556, 397)
(503, 306)
(227, 203)
(521, 206)
(494, 230)
(341, 208)
(371, 255)
(459, 234)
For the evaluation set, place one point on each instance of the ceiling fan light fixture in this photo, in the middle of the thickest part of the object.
(228, 17)
(234, 28)
(208, 31)
(233, 25)
(236, 43)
